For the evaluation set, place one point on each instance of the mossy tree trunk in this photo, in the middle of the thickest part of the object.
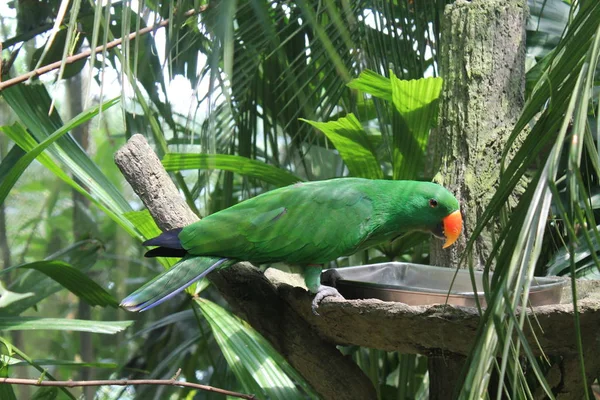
(482, 61)
(483, 66)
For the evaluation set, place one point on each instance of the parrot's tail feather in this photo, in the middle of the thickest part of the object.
(168, 239)
(166, 285)
(170, 245)
(165, 252)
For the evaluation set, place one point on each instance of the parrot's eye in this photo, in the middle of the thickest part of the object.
(433, 203)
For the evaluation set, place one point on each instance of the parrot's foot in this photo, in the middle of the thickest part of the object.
(322, 292)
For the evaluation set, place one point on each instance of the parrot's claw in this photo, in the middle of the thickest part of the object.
(322, 292)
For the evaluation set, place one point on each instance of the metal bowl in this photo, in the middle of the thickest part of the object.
(416, 284)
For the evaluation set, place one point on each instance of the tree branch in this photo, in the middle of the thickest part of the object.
(125, 382)
(85, 54)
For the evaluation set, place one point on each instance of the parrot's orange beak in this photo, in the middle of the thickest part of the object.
(452, 227)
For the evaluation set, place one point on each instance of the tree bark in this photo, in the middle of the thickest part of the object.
(483, 66)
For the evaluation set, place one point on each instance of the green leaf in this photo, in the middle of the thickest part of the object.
(55, 53)
(24, 140)
(372, 83)
(258, 367)
(176, 318)
(238, 164)
(45, 393)
(417, 103)
(547, 22)
(536, 72)
(74, 281)
(82, 254)
(14, 350)
(23, 162)
(32, 103)
(61, 324)
(9, 161)
(65, 363)
(6, 391)
(7, 297)
(352, 142)
(144, 223)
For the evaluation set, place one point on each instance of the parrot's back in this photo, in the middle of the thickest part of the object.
(301, 224)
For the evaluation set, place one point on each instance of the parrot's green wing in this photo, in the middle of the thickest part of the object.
(303, 224)
(166, 285)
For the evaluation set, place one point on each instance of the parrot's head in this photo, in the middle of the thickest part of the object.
(439, 212)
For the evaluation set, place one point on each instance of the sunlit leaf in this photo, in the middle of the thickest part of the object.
(144, 223)
(372, 83)
(23, 162)
(258, 367)
(65, 363)
(417, 103)
(32, 103)
(27, 142)
(350, 139)
(62, 324)
(7, 297)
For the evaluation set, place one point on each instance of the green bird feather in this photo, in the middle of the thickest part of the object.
(307, 224)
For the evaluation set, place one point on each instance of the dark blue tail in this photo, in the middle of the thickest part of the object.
(169, 245)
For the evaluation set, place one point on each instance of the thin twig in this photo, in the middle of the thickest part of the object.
(126, 382)
(85, 54)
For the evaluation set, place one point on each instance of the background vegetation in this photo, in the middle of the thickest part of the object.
(233, 83)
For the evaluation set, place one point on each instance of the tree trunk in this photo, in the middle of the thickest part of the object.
(483, 66)
(482, 61)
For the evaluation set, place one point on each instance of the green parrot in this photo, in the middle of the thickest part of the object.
(307, 224)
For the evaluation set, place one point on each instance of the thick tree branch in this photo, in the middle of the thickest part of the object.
(125, 382)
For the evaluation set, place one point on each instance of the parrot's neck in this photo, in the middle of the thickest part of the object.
(396, 213)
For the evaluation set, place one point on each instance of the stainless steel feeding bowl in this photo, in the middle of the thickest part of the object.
(416, 284)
